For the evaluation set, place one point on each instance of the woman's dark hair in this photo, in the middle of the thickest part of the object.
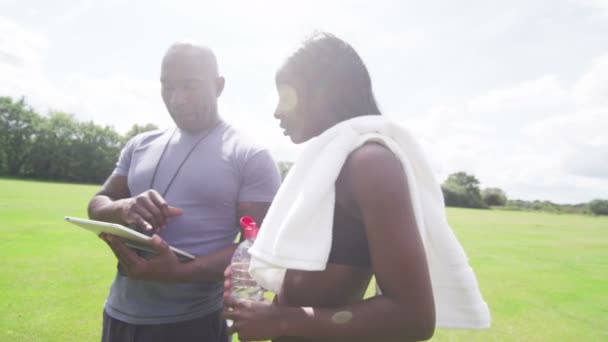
(325, 62)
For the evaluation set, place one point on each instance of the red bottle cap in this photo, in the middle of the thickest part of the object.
(250, 228)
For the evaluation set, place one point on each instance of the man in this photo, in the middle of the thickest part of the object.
(188, 186)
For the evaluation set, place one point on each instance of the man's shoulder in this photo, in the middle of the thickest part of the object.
(146, 137)
(240, 142)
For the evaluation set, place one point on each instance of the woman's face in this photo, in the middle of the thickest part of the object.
(302, 111)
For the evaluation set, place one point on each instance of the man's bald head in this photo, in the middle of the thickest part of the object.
(181, 52)
(191, 85)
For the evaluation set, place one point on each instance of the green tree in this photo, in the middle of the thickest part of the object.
(462, 190)
(95, 151)
(18, 128)
(494, 197)
(52, 156)
(599, 207)
(284, 167)
(56, 146)
(74, 151)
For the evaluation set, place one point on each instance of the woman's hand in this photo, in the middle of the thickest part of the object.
(227, 281)
(254, 320)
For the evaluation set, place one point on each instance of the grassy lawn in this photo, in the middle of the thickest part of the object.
(545, 276)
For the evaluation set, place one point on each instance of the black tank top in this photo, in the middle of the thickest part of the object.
(349, 243)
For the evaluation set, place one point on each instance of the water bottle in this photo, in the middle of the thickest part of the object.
(243, 285)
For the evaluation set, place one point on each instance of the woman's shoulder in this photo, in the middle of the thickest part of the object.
(369, 160)
(371, 151)
(365, 169)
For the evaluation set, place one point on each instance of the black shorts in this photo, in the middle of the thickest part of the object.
(211, 328)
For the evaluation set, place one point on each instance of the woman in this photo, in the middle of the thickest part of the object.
(324, 83)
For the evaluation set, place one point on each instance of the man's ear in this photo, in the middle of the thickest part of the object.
(219, 85)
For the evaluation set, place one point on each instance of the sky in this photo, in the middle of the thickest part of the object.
(513, 92)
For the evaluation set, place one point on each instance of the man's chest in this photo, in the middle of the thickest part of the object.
(204, 176)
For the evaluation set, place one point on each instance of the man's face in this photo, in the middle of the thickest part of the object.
(190, 90)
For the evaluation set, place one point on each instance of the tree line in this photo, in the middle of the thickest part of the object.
(56, 146)
(60, 148)
(462, 190)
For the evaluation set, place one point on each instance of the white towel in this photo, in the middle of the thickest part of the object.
(297, 230)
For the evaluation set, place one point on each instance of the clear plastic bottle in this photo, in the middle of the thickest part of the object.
(243, 285)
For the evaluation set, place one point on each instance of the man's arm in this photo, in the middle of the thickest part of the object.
(105, 205)
(114, 203)
(166, 267)
(211, 267)
(259, 183)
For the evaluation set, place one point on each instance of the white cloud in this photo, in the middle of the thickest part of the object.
(578, 140)
(591, 162)
(20, 48)
(591, 90)
(586, 128)
(21, 63)
(116, 100)
(540, 139)
(538, 176)
(537, 138)
(601, 4)
(451, 142)
(538, 94)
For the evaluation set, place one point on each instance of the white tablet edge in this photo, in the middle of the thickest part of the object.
(136, 234)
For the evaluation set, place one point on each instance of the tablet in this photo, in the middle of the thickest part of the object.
(133, 239)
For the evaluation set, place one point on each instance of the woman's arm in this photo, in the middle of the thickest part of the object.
(405, 310)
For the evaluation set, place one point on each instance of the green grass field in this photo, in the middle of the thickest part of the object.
(545, 276)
